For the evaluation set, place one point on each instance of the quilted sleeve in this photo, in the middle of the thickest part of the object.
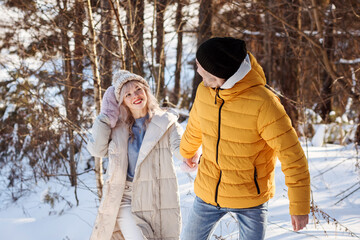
(192, 138)
(275, 128)
(98, 142)
(175, 138)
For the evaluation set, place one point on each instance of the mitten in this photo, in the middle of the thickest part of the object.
(110, 107)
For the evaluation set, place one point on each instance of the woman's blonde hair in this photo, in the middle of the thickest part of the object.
(152, 104)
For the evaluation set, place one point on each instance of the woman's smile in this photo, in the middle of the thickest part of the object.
(138, 101)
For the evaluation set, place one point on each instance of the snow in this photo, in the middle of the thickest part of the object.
(347, 61)
(334, 173)
(9, 109)
(318, 139)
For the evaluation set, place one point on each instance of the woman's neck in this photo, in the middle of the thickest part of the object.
(139, 113)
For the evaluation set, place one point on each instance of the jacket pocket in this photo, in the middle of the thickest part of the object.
(256, 182)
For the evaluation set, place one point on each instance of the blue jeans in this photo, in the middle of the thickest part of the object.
(203, 218)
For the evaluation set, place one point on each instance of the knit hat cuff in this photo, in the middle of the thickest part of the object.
(122, 77)
(208, 63)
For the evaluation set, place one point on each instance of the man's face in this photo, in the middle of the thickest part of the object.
(209, 79)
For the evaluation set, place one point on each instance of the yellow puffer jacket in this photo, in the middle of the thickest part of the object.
(242, 130)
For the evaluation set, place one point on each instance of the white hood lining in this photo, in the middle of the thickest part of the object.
(243, 70)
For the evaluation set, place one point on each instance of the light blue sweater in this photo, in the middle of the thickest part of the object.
(134, 145)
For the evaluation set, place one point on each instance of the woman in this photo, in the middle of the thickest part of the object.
(140, 196)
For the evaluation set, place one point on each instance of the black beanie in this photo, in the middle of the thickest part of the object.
(221, 57)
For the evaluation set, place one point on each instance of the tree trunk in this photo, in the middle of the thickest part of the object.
(73, 86)
(135, 33)
(204, 33)
(289, 81)
(139, 35)
(328, 74)
(107, 44)
(327, 81)
(68, 82)
(159, 51)
(121, 33)
(97, 93)
(94, 60)
(268, 28)
(76, 93)
(357, 133)
(179, 24)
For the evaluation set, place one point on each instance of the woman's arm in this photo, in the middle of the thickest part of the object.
(100, 137)
(101, 130)
(176, 132)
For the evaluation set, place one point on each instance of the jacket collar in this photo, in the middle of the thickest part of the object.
(254, 77)
(159, 124)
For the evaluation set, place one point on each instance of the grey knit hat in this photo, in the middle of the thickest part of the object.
(221, 57)
(122, 77)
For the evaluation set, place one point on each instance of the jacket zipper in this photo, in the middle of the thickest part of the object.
(256, 183)
(217, 147)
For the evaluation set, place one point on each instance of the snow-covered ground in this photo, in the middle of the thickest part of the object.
(333, 172)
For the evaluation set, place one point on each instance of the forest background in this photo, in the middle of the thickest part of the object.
(57, 57)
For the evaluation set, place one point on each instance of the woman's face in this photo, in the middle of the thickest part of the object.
(135, 99)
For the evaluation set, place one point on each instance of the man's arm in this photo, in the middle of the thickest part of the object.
(275, 128)
(192, 138)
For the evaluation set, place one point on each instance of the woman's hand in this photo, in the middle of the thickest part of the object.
(110, 107)
(190, 164)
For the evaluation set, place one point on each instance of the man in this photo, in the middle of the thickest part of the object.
(242, 128)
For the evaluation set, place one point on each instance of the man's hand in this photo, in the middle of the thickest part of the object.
(192, 162)
(299, 221)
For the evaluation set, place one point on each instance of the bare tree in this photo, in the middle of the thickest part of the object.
(325, 106)
(289, 80)
(79, 54)
(268, 38)
(107, 46)
(135, 33)
(204, 33)
(179, 24)
(160, 54)
(97, 93)
(70, 105)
